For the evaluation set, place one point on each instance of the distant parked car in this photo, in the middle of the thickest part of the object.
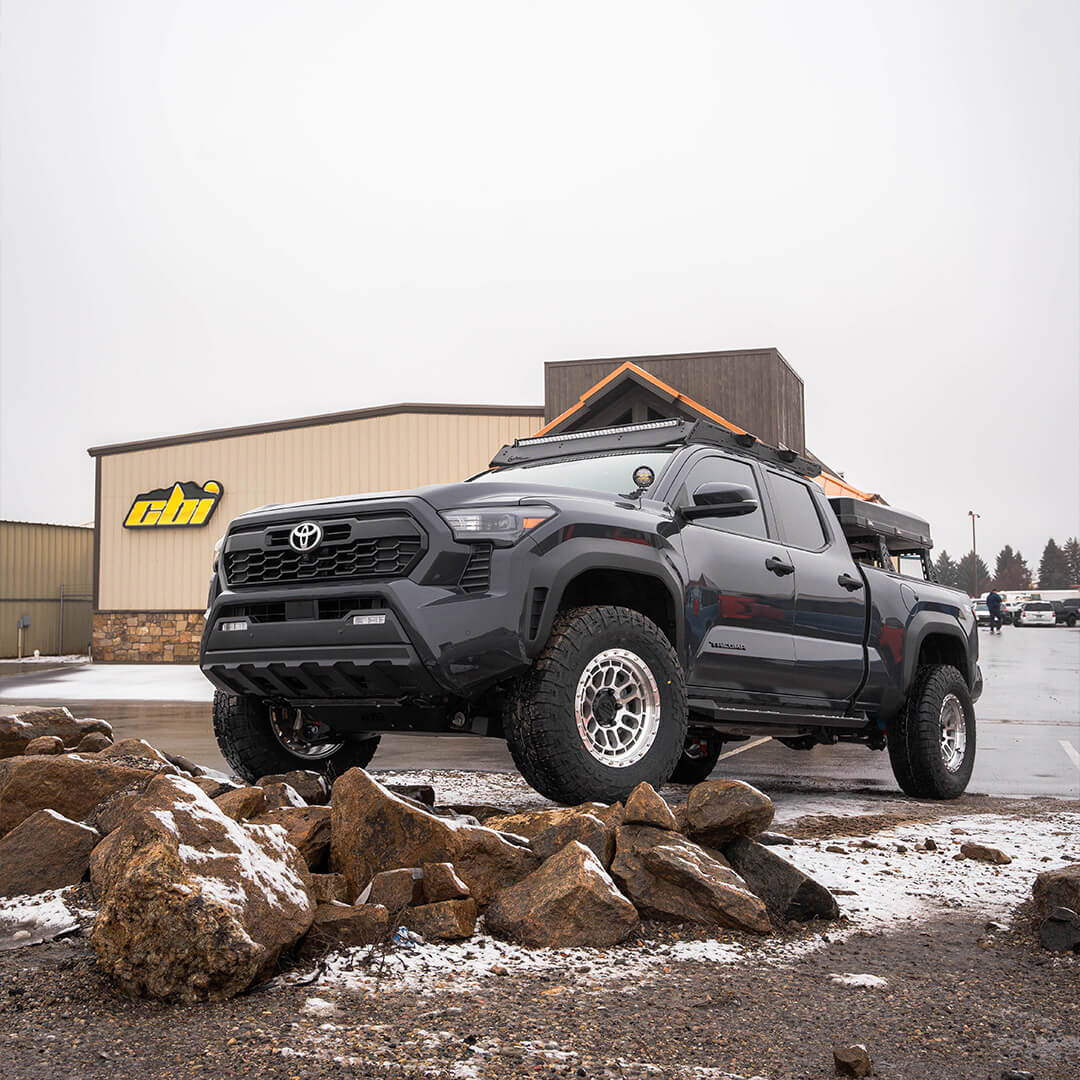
(982, 612)
(1011, 606)
(1067, 611)
(1035, 613)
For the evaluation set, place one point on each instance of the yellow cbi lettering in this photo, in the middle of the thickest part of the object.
(185, 505)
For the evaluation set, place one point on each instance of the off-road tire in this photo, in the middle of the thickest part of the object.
(695, 769)
(540, 722)
(242, 730)
(914, 737)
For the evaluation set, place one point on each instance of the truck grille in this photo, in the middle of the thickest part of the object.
(352, 549)
(384, 557)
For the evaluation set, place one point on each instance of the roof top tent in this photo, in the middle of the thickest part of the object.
(879, 534)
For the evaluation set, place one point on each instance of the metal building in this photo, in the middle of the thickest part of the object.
(160, 504)
(45, 584)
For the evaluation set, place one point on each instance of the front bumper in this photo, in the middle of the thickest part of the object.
(436, 640)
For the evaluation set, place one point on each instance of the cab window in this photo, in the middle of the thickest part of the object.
(721, 470)
(800, 524)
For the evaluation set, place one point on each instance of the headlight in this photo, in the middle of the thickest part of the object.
(217, 550)
(499, 524)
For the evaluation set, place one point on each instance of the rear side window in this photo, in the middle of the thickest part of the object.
(721, 470)
(800, 525)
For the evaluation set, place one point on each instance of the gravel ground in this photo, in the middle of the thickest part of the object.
(951, 996)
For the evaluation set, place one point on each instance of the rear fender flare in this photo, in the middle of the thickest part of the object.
(923, 625)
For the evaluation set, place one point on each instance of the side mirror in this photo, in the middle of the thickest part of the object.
(721, 500)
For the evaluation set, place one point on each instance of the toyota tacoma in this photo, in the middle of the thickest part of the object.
(616, 604)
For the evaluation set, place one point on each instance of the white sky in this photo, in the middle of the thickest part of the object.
(220, 212)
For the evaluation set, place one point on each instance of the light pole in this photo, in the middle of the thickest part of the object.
(974, 556)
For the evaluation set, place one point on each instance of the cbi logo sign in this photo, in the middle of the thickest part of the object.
(183, 506)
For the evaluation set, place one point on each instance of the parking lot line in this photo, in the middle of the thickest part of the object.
(1074, 754)
(745, 746)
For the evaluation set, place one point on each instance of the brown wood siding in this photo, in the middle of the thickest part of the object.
(754, 388)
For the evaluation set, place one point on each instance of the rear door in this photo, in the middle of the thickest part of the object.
(738, 611)
(830, 597)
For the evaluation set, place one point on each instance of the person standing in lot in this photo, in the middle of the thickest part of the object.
(993, 604)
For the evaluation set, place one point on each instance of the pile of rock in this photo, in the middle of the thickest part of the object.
(203, 884)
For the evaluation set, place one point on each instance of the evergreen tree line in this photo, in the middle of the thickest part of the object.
(1059, 568)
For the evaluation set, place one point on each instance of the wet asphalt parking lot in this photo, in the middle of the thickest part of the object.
(1028, 726)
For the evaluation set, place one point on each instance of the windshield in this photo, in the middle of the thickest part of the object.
(613, 473)
(1041, 606)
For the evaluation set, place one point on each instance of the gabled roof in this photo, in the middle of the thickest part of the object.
(629, 373)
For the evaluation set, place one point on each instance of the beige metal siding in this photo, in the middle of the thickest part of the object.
(167, 569)
(35, 560)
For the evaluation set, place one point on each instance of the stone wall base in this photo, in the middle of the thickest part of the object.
(147, 637)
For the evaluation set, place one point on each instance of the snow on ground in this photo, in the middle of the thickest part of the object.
(29, 920)
(67, 658)
(110, 682)
(879, 888)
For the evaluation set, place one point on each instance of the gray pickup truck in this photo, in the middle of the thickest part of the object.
(616, 604)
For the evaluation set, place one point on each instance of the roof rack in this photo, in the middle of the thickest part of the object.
(654, 433)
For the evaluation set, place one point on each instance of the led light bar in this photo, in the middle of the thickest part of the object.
(240, 624)
(653, 425)
(368, 620)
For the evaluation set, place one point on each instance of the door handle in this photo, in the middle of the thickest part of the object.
(848, 582)
(779, 567)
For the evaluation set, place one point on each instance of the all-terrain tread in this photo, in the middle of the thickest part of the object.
(546, 749)
(914, 737)
(242, 730)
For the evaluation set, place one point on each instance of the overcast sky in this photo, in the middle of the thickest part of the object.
(221, 212)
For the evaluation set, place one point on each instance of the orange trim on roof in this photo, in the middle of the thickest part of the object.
(684, 399)
(833, 485)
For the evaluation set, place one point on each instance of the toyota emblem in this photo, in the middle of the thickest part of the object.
(306, 536)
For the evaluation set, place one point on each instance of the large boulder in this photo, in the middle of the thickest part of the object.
(668, 877)
(598, 837)
(719, 810)
(445, 920)
(135, 748)
(240, 803)
(195, 906)
(645, 807)
(328, 887)
(371, 829)
(396, 889)
(46, 851)
(44, 744)
(788, 893)
(20, 727)
(344, 926)
(570, 900)
(307, 828)
(530, 823)
(441, 883)
(1057, 888)
(69, 784)
(310, 786)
